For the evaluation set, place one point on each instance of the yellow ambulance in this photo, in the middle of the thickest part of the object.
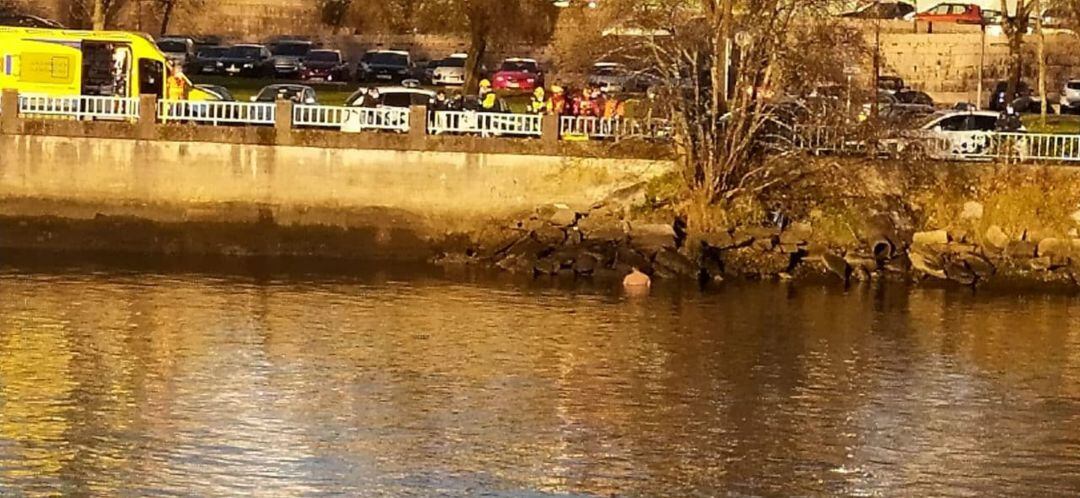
(63, 63)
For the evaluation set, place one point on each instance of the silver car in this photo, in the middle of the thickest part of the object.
(450, 71)
(1070, 97)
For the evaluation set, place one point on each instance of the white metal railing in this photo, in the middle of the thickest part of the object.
(485, 123)
(352, 119)
(79, 107)
(604, 128)
(213, 112)
(978, 145)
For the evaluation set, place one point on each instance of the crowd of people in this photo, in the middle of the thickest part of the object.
(589, 102)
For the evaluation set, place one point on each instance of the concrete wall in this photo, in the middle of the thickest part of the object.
(400, 202)
(946, 65)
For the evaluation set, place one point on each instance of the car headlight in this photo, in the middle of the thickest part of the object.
(248, 66)
(219, 64)
(403, 71)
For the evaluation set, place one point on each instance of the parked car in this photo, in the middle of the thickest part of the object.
(1070, 97)
(891, 84)
(325, 65)
(287, 55)
(1030, 104)
(299, 94)
(247, 60)
(385, 65)
(909, 96)
(396, 96)
(221, 93)
(613, 77)
(178, 51)
(949, 133)
(207, 59)
(450, 71)
(518, 74)
(881, 10)
(959, 13)
(997, 97)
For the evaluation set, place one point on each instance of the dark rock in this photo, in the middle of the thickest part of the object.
(958, 271)
(526, 246)
(928, 262)
(517, 263)
(550, 235)
(862, 264)
(836, 265)
(586, 264)
(628, 257)
(978, 264)
(547, 266)
(719, 240)
(1020, 249)
(670, 261)
(652, 237)
(712, 268)
(600, 226)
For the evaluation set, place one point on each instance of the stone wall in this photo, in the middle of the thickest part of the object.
(202, 197)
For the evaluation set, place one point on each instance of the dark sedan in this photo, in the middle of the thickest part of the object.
(324, 65)
(207, 59)
(246, 60)
(385, 65)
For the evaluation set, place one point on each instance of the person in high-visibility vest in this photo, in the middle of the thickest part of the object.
(538, 104)
(176, 85)
(487, 97)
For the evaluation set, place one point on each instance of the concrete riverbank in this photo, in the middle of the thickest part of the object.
(68, 192)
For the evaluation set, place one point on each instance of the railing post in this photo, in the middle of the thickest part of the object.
(549, 132)
(418, 121)
(10, 122)
(146, 127)
(283, 121)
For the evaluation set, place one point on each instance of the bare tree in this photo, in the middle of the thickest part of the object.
(725, 65)
(95, 14)
(168, 9)
(1015, 27)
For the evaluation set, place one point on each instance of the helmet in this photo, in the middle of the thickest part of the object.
(485, 84)
(556, 89)
(539, 92)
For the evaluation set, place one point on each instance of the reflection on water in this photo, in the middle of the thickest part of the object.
(150, 384)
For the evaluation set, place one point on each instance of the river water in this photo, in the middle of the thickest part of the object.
(382, 383)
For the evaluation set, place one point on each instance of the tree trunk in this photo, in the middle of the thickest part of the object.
(98, 19)
(166, 15)
(1041, 55)
(477, 51)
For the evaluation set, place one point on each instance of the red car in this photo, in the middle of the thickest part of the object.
(518, 74)
(960, 13)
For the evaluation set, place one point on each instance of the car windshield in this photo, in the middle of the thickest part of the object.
(322, 56)
(386, 58)
(271, 94)
(1073, 85)
(608, 70)
(522, 66)
(453, 62)
(172, 46)
(212, 52)
(290, 49)
(924, 122)
(243, 52)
